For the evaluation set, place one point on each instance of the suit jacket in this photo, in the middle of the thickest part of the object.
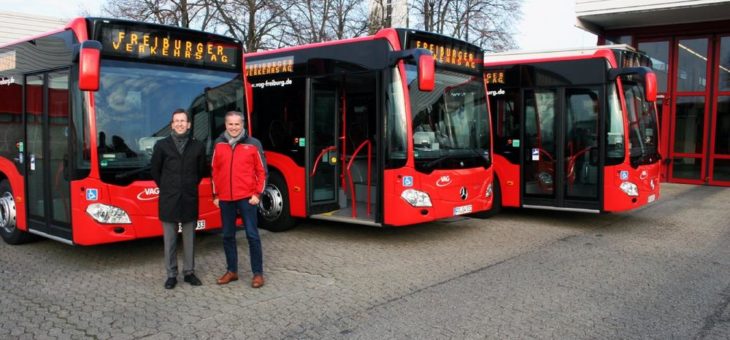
(178, 175)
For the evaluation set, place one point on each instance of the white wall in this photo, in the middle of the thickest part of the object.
(14, 26)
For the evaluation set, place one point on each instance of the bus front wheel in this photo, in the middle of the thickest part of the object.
(8, 227)
(274, 213)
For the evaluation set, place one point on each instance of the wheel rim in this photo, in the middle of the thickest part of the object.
(272, 203)
(7, 212)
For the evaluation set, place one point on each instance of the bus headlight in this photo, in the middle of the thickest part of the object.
(630, 189)
(489, 190)
(103, 213)
(416, 198)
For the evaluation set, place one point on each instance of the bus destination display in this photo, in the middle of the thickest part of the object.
(452, 53)
(140, 42)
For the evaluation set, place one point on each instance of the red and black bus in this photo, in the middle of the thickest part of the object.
(81, 109)
(369, 130)
(574, 129)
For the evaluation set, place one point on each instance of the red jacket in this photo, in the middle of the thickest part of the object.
(239, 171)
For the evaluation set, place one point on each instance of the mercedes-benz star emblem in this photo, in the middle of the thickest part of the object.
(463, 193)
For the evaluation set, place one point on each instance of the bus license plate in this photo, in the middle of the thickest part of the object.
(652, 198)
(200, 225)
(464, 209)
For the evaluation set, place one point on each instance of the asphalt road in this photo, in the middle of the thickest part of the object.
(659, 272)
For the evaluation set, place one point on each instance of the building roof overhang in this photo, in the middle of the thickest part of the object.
(600, 16)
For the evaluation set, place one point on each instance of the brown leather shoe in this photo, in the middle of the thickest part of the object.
(257, 281)
(227, 277)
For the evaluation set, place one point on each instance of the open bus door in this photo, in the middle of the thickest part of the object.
(341, 158)
(561, 149)
(47, 154)
(323, 164)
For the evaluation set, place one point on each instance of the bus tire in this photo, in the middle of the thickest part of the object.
(8, 224)
(496, 202)
(274, 212)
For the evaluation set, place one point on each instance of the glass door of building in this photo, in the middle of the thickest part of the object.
(719, 158)
(692, 92)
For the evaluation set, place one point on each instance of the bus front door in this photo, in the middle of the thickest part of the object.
(560, 152)
(47, 153)
(323, 163)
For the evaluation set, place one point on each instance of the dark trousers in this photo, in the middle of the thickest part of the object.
(248, 213)
(170, 238)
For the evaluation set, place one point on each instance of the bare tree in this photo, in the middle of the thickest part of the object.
(264, 24)
(307, 21)
(487, 23)
(380, 15)
(255, 22)
(349, 19)
(198, 14)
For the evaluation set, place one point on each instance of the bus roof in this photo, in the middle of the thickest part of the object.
(571, 53)
(384, 33)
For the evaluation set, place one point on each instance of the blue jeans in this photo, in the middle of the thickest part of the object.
(248, 213)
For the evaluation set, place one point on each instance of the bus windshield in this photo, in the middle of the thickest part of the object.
(450, 124)
(643, 128)
(134, 105)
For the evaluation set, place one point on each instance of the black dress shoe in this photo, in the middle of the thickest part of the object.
(192, 280)
(170, 283)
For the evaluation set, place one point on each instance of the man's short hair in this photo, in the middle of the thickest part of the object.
(237, 113)
(181, 110)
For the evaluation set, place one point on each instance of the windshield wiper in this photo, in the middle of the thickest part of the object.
(128, 173)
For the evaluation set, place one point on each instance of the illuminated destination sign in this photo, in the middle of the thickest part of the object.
(449, 52)
(140, 42)
(270, 66)
(494, 77)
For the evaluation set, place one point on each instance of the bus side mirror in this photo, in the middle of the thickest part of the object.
(425, 63)
(646, 75)
(426, 73)
(650, 86)
(249, 96)
(89, 63)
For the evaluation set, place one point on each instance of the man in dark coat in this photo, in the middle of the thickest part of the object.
(178, 162)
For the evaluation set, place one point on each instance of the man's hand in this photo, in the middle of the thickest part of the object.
(254, 200)
(215, 202)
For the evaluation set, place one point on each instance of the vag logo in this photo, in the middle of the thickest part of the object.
(443, 181)
(148, 194)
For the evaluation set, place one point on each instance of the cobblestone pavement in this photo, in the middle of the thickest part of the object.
(659, 272)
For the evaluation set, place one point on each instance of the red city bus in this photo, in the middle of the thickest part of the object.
(81, 109)
(370, 131)
(574, 129)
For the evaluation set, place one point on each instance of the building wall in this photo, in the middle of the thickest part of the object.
(689, 43)
(14, 26)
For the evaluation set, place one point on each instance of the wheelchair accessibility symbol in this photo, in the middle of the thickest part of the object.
(92, 194)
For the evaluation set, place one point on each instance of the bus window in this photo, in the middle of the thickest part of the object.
(395, 121)
(581, 143)
(506, 116)
(615, 151)
(643, 136)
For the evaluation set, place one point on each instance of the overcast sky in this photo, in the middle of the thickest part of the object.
(544, 25)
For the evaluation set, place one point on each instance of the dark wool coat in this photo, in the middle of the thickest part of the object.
(178, 177)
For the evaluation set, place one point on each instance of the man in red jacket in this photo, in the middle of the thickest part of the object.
(239, 178)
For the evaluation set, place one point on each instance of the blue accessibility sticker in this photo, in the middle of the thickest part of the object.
(624, 175)
(92, 194)
(407, 181)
